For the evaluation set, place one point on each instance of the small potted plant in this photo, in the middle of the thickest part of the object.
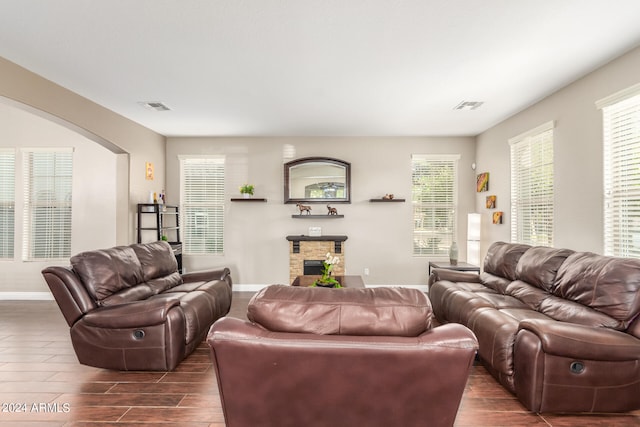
(326, 281)
(246, 190)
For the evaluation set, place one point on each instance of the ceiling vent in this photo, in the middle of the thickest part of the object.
(468, 105)
(155, 106)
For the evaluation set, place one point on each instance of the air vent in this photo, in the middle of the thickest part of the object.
(468, 105)
(155, 106)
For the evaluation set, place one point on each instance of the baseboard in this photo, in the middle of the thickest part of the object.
(26, 296)
(423, 288)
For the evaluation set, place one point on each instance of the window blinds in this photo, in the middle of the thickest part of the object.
(621, 135)
(434, 198)
(47, 175)
(202, 204)
(7, 202)
(532, 187)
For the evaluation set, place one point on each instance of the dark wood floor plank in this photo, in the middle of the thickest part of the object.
(122, 399)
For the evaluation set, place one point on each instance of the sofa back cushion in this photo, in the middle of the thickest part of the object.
(539, 266)
(105, 272)
(502, 259)
(347, 311)
(157, 259)
(607, 284)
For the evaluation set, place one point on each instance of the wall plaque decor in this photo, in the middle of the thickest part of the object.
(482, 182)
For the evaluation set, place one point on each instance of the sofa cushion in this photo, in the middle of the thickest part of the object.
(502, 259)
(107, 271)
(134, 293)
(157, 259)
(347, 311)
(531, 296)
(607, 284)
(539, 265)
(568, 311)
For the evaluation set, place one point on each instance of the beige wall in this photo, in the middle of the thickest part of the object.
(110, 162)
(94, 193)
(578, 149)
(379, 234)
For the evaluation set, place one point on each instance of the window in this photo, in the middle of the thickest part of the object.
(7, 202)
(532, 186)
(202, 204)
(47, 203)
(621, 137)
(435, 198)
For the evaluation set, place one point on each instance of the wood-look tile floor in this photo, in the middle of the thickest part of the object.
(42, 384)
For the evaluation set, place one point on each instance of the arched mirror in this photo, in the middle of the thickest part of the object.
(317, 179)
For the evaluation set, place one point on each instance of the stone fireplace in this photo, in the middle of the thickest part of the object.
(314, 248)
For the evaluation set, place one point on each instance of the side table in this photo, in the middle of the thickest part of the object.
(460, 266)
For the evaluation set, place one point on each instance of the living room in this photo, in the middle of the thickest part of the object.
(111, 154)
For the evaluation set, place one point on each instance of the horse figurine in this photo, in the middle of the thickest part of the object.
(332, 211)
(304, 208)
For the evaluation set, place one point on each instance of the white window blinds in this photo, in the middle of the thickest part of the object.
(435, 198)
(47, 175)
(532, 186)
(202, 204)
(621, 135)
(7, 202)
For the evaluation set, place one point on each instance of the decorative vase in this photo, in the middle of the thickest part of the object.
(246, 195)
(453, 254)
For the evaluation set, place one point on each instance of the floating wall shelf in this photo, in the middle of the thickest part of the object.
(318, 216)
(387, 200)
(248, 200)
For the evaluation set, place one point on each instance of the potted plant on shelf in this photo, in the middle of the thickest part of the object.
(246, 190)
(326, 281)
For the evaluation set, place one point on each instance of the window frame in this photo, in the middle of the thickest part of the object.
(7, 203)
(445, 237)
(208, 205)
(621, 186)
(46, 227)
(531, 194)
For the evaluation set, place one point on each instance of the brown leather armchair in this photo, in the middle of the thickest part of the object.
(347, 357)
(128, 308)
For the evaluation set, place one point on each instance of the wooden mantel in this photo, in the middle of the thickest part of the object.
(302, 238)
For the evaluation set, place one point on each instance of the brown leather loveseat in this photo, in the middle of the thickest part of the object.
(560, 329)
(129, 309)
(340, 357)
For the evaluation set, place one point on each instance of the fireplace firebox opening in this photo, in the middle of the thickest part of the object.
(312, 267)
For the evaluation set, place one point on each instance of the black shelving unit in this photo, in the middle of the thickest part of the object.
(165, 222)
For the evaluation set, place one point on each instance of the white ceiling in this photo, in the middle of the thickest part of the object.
(316, 67)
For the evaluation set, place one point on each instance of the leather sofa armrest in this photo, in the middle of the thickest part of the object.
(132, 315)
(582, 342)
(438, 274)
(207, 275)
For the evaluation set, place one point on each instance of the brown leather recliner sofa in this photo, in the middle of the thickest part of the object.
(129, 309)
(340, 357)
(560, 329)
